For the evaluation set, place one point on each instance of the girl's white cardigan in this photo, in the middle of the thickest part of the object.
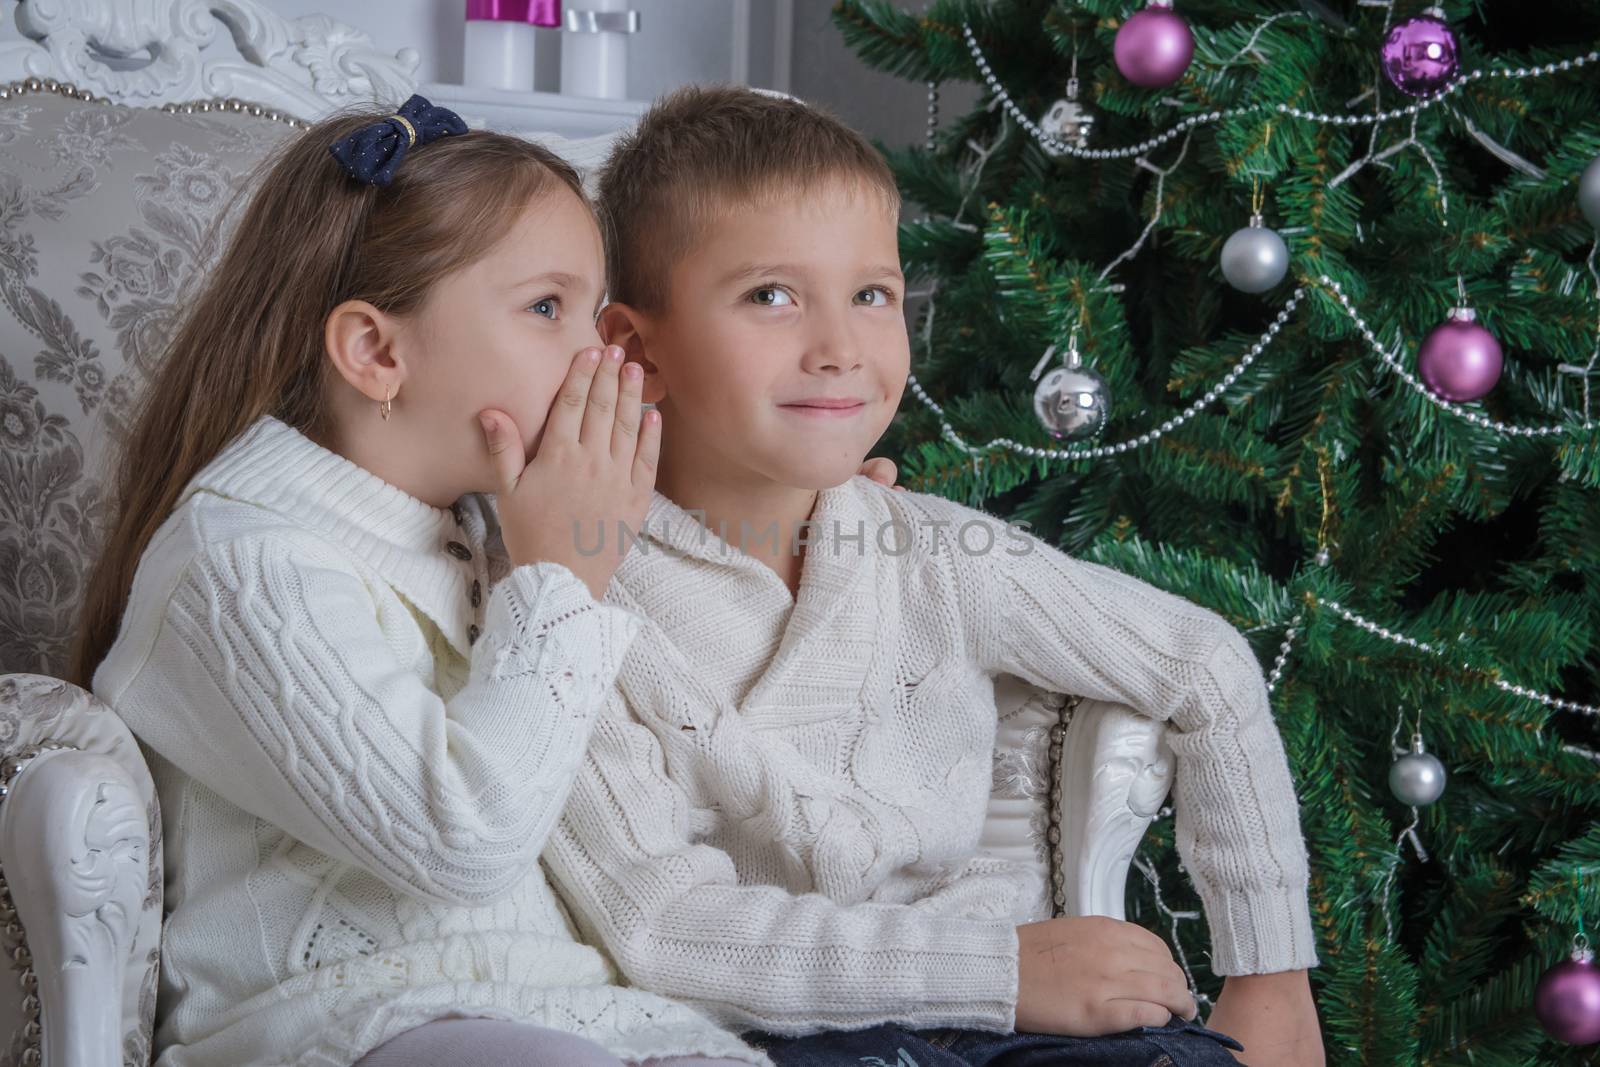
(360, 738)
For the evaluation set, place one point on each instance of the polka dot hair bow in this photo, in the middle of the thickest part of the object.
(372, 153)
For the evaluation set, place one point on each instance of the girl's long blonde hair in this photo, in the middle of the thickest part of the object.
(309, 238)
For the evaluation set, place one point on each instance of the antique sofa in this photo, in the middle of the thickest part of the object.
(124, 127)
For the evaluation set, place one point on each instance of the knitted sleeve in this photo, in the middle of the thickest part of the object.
(673, 915)
(273, 684)
(1075, 627)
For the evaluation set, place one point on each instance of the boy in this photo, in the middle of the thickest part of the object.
(779, 813)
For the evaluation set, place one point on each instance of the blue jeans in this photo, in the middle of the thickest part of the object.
(1179, 1043)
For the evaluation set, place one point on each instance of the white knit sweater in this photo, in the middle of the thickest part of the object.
(780, 809)
(355, 782)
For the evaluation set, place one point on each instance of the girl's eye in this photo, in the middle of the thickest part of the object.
(548, 307)
(875, 296)
(771, 297)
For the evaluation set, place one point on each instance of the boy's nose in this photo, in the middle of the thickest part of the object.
(831, 348)
(818, 362)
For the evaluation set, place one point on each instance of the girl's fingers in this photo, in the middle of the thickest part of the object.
(625, 434)
(648, 452)
(566, 414)
(600, 412)
(505, 448)
(880, 469)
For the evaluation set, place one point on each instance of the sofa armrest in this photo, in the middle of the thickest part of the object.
(80, 879)
(1116, 770)
(73, 845)
(1076, 784)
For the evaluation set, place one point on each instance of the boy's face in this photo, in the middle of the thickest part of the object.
(783, 351)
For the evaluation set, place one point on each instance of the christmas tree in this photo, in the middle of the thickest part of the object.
(1194, 283)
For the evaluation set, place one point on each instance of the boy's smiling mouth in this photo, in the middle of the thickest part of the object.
(826, 407)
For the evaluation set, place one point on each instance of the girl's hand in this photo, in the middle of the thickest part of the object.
(881, 469)
(1089, 976)
(593, 472)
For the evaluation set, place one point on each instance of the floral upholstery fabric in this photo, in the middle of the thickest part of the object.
(106, 222)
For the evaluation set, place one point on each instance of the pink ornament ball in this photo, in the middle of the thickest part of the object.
(1567, 1001)
(1154, 46)
(1460, 361)
(1420, 55)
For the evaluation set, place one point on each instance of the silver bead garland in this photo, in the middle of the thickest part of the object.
(1388, 357)
(1216, 392)
(1204, 118)
(1546, 699)
(1149, 437)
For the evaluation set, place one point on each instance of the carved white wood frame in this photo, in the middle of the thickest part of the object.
(76, 840)
(1116, 770)
(152, 52)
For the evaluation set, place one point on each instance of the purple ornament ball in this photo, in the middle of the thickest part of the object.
(1154, 46)
(1420, 55)
(1460, 360)
(1567, 1001)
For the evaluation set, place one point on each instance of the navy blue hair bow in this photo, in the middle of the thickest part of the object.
(372, 153)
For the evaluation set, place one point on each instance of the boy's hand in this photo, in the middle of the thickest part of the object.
(1088, 976)
(881, 469)
(1273, 1017)
(596, 465)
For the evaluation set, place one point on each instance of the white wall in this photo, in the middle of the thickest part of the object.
(882, 106)
(679, 40)
(793, 46)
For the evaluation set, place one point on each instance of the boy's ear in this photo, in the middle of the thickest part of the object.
(630, 328)
(360, 341)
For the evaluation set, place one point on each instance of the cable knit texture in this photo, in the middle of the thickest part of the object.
(362, 732)
(780, 808)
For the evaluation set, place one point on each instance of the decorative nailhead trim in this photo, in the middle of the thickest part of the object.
(1058, 738)
(12, 935)
(25, 86)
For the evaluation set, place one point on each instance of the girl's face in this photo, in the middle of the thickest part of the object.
(500, 333)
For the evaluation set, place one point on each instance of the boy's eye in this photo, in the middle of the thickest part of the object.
(549, 307)
(771, 296)
(876, 296)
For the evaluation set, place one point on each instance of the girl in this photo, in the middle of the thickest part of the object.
(360, 730)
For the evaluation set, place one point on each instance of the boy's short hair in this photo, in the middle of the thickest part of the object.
(697, 149)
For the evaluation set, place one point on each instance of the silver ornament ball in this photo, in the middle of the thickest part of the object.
(1417, 778)
(1067, 122)
(1073, 403)
(1589, 193)
(1255, 258)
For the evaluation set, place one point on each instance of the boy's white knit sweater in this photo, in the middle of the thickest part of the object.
(354, 791)
(779, 811)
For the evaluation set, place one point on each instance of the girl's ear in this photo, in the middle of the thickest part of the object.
(359, 340)
(629, 327)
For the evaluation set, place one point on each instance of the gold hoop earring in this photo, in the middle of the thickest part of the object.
(384, 407)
